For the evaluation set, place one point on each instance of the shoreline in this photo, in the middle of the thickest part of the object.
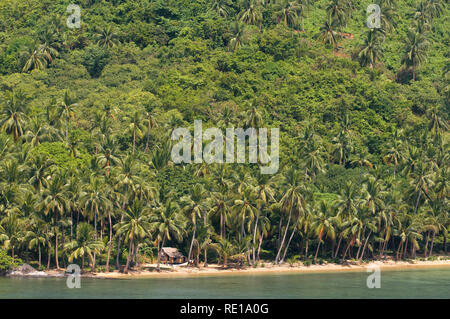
(217, 270)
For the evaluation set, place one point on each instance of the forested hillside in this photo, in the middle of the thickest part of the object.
(86, 117)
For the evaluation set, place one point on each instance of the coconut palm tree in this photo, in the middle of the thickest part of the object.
(371, 51)
(167, 223)
(136, 127)
(288, 13)
(245, 208)
(85, 244)
(328, 35)
(12, 232)
(134, 226)
(221, 7)
(36, 236)
(194, 206)
(292, 203)
(251, 13)
(238, 35)
(55, 203)
(107, 37)
(225, 249)
(337, 11)
(67, 109)
(302, 11)
(14, 117)
(323, 224)
(49, 46)
(415, 50)
(151, 121)
(35, 59)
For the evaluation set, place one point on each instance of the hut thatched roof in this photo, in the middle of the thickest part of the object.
(171, 252)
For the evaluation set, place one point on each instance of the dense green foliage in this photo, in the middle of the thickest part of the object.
(86, 117)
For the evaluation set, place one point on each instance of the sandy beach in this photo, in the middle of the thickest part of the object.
(215, 270)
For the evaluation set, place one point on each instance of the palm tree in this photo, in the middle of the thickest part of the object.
(220, 204)
(238, 35)
(245, 208)
(194, 206)
(422, 180)
(292, 202)
(253, 119)
(86, 243)
(437, 123)
(151, 123)
(337, 12)
(252, 13)
(67, 108)
(302, 11)
(49, 44)
(167, 223)
(55, 202)
(371, 50)
(13, 114)
(134, 226)
(35, 59)
(107, 37)
(136, 127)
(328, 35)
(36, 236)
(225, 249)
(39, 171)
(107, 156)
(221, 7)
(393, 152)
(95, 202)
(388, 17)
(323, 224)
(288, 13)
(12, 232)
(415, 50)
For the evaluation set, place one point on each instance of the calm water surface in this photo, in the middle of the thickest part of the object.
(413, 283)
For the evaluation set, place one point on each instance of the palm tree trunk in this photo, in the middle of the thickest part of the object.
(337, 248)
(39, 252)
(192, 245)
(284, 237)
(67, 129)
(405, 248)
(290, 238)
(417, 203)
(159, 252)
(71, 225)
(317, 250)
(259, 245)
(254, 239)
(426, 244)
(110, 242)
(49, 256)
(432, 242)
(134, 138)
(118, 243)
(306, 248)
(148, 136)
(56, 250)
(130, 247)
(365, 244)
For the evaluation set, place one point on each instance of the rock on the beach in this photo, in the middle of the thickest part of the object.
(26, 270)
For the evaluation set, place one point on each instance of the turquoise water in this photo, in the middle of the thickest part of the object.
(416, 283)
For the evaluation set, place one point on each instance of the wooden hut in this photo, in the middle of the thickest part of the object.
(171, 255)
